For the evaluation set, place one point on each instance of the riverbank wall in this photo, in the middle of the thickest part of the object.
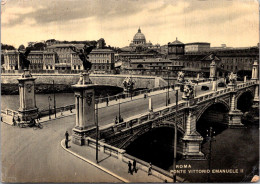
(63, 82)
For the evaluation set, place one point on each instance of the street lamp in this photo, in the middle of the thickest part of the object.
(211, 138)
(49, 100)
(175, 139)
(97, 130)
(54, 99)
(119, 109)
(167, 93)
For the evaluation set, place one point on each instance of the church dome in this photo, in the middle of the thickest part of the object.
(139, 36)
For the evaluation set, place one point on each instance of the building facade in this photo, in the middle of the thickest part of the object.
(60, 57)
(176, 47)
(197, 47)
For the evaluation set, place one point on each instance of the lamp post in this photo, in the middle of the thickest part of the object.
(211, 138)
(167, 93)
(175, 139)
(97, 130)
(49, 100)
(54, 99)
(119, 109)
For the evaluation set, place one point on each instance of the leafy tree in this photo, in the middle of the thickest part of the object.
(7, 47)
(21, 47)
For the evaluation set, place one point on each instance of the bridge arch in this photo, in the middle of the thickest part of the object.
(141, 132)
(214, 114)
(202, 111)
(154, 143)
(244, 100)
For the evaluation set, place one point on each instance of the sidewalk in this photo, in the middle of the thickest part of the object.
(110, 165)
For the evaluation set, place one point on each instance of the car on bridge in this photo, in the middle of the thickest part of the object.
(204, 88)
(221, 84)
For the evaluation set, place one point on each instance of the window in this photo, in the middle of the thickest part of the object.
(79, 67)
(74, 67)
(51, 67)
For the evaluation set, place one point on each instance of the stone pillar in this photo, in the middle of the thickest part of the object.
(255, 77)
(256, 96)
(213, 69)
(255, 71)
(151, 113)
(85, 109)
(28, 109)
(245, 79)
(150, 104)
(235, 114)
(214, 86)
(192, 139)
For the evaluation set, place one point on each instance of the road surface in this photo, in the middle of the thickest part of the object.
(36, 156)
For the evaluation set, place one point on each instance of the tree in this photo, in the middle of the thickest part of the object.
(38, 46)
(101, 43)
(7, 47)
(21, 47)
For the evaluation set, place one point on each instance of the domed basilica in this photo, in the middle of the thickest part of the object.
(139, 42)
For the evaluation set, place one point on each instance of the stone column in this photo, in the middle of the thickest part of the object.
(192, 139)
(255, 77)
(214, 85)
(213, 69)
(235, 114)
(85, 109)
(245, 79)
(28, 109)
(256, 96)
(255, 71)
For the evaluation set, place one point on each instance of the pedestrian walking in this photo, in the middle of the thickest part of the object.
(121, 119)
(14, 123)
(116, 120)
(134, 166)
(107, 100)
(129, 167)
(39, 116)
(150, 169)
(18, 119)
(67, 143)
(67, 135)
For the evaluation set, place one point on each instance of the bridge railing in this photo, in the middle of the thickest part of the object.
(46, 112)
(105, 148)
(126, 95)
(121, 155)
(214, 94)
(159, 114)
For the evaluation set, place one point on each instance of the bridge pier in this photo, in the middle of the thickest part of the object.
(192, 139)
(85, 109)
(27, 109)
(235, 115)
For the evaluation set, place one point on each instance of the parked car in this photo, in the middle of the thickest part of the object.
(204, 88)
(221, 84)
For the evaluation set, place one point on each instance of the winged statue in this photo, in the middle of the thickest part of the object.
(23, 58)
(83, 55)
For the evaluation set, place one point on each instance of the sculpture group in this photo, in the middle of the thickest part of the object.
(83, 55)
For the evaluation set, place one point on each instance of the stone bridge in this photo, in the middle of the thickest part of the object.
(188, 118)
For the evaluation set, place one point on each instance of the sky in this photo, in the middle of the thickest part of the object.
(231, 22)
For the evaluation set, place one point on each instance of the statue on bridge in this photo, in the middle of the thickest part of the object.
(83, 55)
(232, 78)
(128, 83)
(188, 91)
(180, 77)
(25, 63)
